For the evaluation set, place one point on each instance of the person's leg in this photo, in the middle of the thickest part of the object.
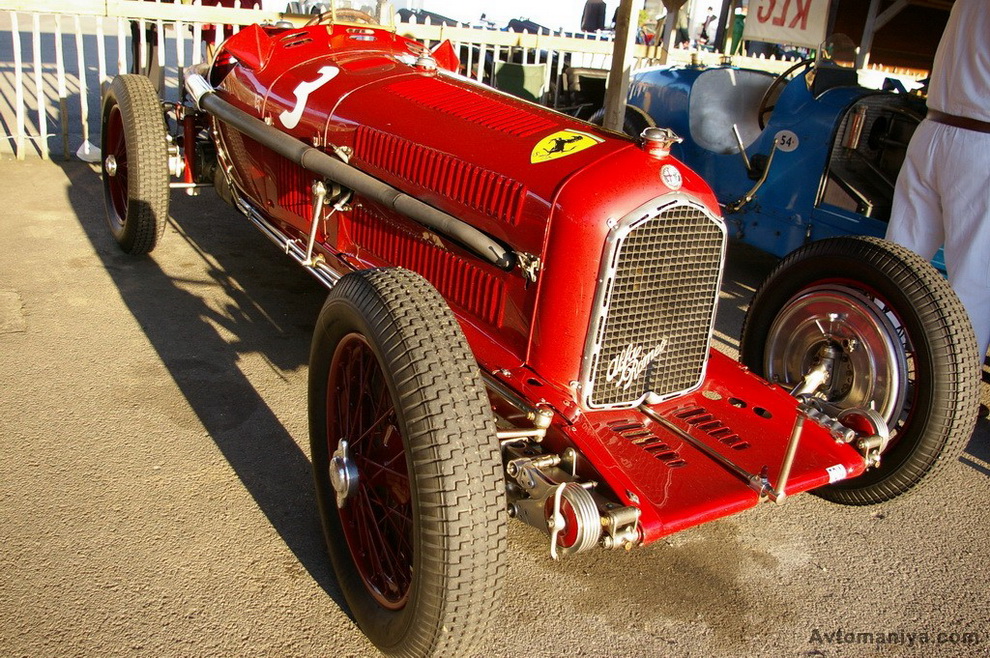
(916, 214)
(964, 156)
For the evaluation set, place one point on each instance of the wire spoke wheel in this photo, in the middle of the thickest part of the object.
(115, 146)
(377, 516)
(407, 469)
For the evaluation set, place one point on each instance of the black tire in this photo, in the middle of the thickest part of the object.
(135, 163)
(418, 557)
(905, 320)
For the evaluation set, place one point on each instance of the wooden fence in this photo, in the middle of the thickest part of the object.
(56, 54)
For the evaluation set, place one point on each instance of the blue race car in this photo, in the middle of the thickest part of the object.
(792, 158)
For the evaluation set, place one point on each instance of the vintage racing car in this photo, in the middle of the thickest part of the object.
(519, 321)
(794, 157)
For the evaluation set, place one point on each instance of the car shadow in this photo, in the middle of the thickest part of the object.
(268, 308)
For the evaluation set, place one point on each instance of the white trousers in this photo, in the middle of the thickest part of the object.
(943, 198)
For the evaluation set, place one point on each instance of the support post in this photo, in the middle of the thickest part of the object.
(622, 59)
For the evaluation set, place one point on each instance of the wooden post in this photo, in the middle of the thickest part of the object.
(875, 21)
(39, 87)
(15, 34)
(63, 94)
(667, 40)
(622, 58)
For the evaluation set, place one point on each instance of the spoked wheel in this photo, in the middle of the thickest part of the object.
(894, 340)
(135, 163)
(368, 473)
(407, 467)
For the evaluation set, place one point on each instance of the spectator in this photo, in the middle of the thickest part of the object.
(683, 36)
(942, 196)
(708, 27)
(593, 18)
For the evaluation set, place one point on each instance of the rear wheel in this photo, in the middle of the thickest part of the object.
(407, 468)
(135, 163)
(897, 340)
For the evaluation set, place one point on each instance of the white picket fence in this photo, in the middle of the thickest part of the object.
(56, 54)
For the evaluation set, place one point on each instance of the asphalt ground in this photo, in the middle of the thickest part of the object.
(156, 498)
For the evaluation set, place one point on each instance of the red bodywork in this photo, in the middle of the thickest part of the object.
(475, 153)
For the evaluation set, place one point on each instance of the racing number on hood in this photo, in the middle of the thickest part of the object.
(562, 143)
(290, 119)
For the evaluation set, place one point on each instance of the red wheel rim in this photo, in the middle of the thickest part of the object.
(377, 514)
(116, 146)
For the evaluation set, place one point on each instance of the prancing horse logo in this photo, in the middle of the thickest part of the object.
(302, 91)
(631, 363)
(563, 143)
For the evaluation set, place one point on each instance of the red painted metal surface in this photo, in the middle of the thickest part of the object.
(677, 486)
(503, 166)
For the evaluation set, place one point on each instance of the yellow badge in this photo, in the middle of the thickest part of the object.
(562, 143)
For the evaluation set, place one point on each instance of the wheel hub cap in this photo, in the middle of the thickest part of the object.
(343, 474)
(110, 165)
(849, 333)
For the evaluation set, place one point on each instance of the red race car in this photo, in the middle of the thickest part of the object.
(520, 317)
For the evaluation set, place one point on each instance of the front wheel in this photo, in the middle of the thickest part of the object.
(894, 338)
(407, 467)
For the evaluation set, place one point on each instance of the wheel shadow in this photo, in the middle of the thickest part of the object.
(260, 305)
(978, 451)
(745, 269)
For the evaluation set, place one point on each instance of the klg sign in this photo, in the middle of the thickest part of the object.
(794, 22)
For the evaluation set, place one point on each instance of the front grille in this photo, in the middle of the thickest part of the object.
(655, 304)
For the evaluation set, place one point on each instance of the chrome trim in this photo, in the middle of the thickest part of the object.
(602, 309)
(197, 86)
(318, 268)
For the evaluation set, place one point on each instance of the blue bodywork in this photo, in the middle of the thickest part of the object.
(839, 147)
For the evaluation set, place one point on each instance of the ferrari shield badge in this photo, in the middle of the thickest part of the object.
(562, 143)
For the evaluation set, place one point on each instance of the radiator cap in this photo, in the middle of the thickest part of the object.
(657, 141)
(426, 63)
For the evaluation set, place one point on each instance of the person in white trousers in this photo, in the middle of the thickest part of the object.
(942, 196)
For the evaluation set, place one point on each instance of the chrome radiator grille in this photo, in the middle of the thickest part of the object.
(655, 305)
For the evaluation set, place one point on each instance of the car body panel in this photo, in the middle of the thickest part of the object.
(801, 199)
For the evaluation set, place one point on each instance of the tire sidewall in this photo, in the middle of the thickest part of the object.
(143, 223)
(861, 266)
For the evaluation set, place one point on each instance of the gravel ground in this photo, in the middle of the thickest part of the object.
(155, 494)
